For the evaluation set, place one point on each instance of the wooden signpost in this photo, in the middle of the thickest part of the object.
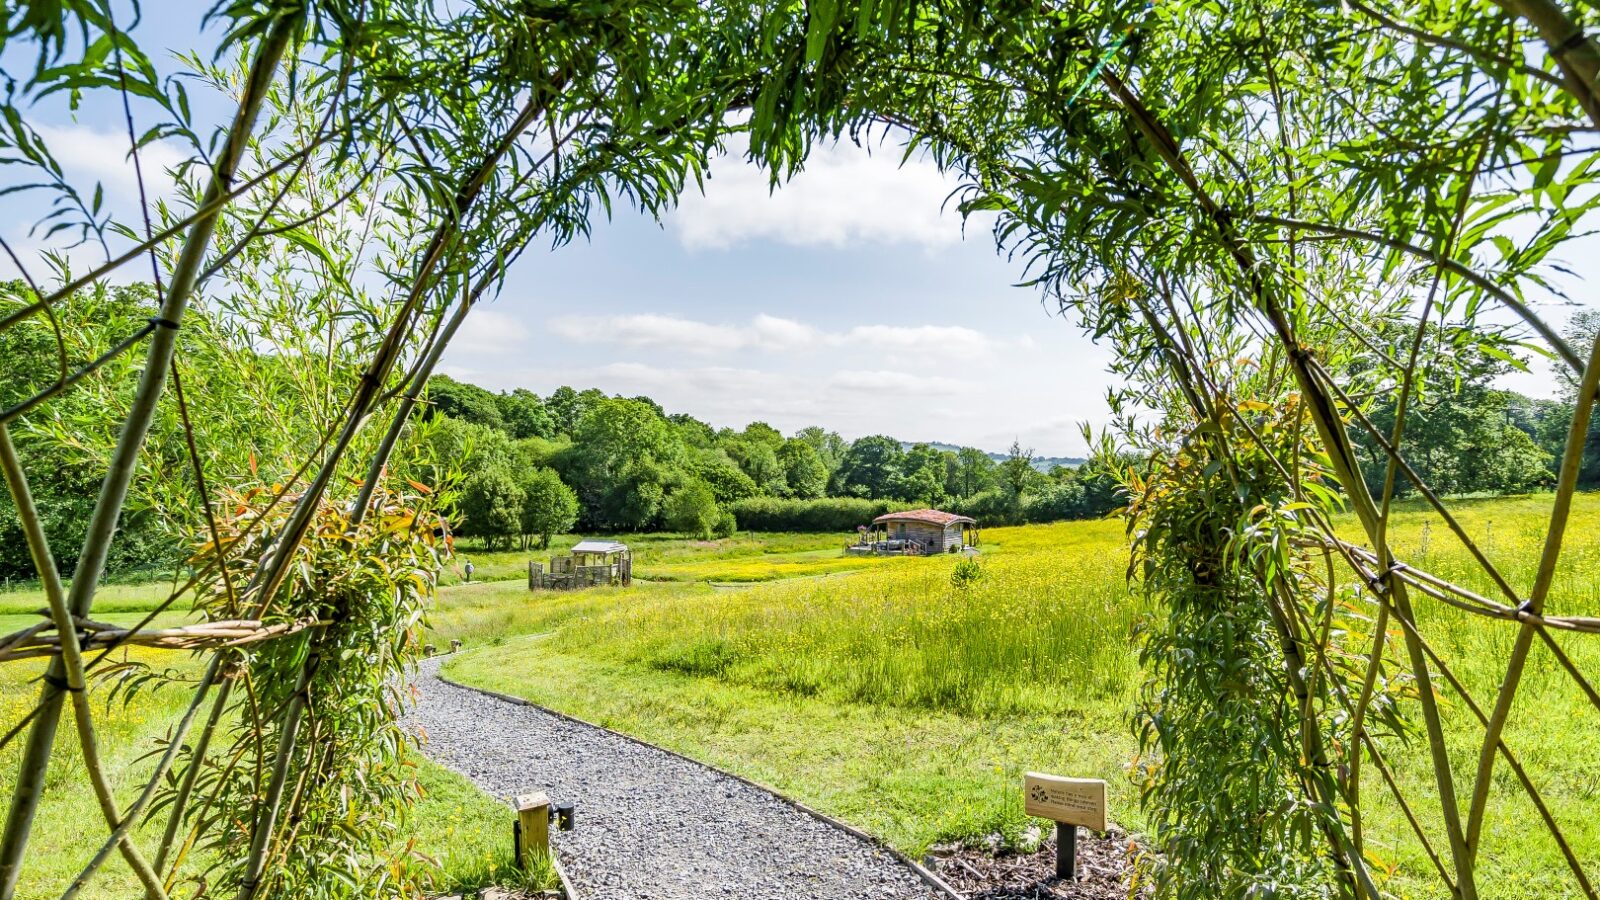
(532, 831)
(1071, 803)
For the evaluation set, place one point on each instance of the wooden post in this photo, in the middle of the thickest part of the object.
(532, 829)
(1070, 802)
(1066, 851)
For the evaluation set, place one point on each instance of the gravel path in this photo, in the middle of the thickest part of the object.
(649, 824)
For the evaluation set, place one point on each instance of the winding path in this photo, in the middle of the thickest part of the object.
(650, 825)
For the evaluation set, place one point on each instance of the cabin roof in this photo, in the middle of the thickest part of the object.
(600, 547)
(926, 516)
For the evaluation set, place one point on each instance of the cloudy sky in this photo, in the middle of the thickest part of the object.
(846, 299)
(849, 299)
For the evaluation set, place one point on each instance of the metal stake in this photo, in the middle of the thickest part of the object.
(1066, 851)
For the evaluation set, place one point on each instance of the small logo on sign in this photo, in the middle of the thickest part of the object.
(1039, 794)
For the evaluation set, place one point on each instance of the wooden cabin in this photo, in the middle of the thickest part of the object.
(589, 564)
(917, 532)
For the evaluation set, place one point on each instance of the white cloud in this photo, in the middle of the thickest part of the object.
(952, 341)
(845, 195)
(88, 155)
(489, 331)
(650, 330)
(905, 384)
(905, 343)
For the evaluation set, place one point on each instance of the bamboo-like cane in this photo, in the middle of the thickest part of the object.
(108, 507)
(71, 655)
(294, 530)
(207, 635)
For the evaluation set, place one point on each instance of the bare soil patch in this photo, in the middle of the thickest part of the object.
(984, 873)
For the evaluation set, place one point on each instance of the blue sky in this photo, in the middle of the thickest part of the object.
(849, 299)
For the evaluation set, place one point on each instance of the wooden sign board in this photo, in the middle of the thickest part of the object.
(1070, 801)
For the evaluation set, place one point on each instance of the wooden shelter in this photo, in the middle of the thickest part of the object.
(588, 564)
(917, 532)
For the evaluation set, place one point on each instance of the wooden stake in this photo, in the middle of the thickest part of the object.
(533, 829)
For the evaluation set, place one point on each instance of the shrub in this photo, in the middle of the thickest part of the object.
(995, 506)
(966, 573)
(726, 525)
(826, 514)
(548, 506)
(692, 510)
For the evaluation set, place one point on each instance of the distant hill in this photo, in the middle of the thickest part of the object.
(1042, 463)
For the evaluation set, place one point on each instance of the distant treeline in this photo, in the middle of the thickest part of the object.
(524, 467)
(627, 465)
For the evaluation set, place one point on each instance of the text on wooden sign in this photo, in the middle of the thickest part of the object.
(1071, 801)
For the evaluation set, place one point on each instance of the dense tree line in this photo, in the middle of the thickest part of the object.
(625, 464)
(524, 467)
(1464, 436)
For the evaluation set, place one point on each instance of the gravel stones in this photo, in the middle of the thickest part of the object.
(650, 825)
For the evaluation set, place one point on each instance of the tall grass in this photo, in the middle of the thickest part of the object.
(1039, 644)
(1045, 629)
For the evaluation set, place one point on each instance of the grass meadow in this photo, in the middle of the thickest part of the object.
(911, 707)
(461, 836)
(879, 692)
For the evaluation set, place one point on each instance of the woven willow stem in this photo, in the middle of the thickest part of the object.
(147, 793)
(1575, 53)
(1528, 787)
(294, 530)
(113, 491)
(1330, 429)
(180, 801)
(1417, 481)
(1571, 463)
(1391, 473)
(1466, 273)
(71, 657)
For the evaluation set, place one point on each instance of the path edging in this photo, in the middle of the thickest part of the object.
(923, 872)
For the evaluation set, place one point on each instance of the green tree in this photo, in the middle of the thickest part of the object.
(621, 459)
(759, 460)
(524, 415)
(762, 433)
(443, 451)
(692, 510)
(829, 445)
(1461, 441)
(491, 506)
(549, 507)
(467, 402)
(974, 472)
(1581, 332)
(727, 481)
(869, 468)
(567, 407)
(1016, 471)
(922, 476)
(692, 431)
(803, 470)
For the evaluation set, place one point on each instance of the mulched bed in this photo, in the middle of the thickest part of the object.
(987, 873)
